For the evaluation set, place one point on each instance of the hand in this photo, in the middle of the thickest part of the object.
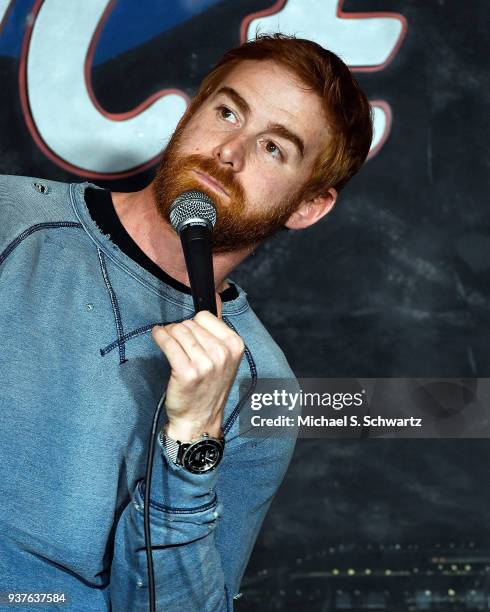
(204, 354)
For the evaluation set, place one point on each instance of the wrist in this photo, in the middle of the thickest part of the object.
(187, 432)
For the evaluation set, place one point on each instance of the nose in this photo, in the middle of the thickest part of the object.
(231, 152)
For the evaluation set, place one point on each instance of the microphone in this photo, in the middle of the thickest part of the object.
(193, 216)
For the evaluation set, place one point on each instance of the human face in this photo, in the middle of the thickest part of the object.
(257, 136)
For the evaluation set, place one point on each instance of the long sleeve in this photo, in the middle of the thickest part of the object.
(80, 378)
(203, 528)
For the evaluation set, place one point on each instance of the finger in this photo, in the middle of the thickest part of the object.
(177, 357)
(220, 330)
(216, 326)
(212, 346)
(190, 344)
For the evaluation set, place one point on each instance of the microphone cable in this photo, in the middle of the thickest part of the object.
(146, 509)
(193, 216)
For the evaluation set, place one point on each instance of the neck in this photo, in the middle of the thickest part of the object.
(157, 239)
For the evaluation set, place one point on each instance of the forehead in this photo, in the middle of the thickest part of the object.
(276, 95)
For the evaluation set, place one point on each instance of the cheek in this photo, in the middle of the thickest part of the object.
(269, 185)
(201, 141)
(190, 143)
(194, 138)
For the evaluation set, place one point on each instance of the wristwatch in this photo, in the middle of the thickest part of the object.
(197, 456)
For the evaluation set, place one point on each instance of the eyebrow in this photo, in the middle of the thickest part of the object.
(236, 97)
(284, 132)
(272, 128)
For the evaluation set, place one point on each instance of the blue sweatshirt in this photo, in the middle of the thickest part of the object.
(80, 378)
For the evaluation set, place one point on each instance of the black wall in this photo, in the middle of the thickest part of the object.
(394, 282)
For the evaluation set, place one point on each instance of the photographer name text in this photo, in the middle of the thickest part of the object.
(324, 421)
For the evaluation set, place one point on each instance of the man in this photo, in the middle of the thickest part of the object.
(97, 321)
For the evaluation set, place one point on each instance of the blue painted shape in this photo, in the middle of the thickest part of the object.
(14, 28)
(132, 23)
(129, 24)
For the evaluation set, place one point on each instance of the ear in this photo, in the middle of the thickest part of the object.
(311, 211)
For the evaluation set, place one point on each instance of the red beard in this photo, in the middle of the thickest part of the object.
(235, 228)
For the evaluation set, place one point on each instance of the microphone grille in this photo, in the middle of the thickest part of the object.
(192, 206)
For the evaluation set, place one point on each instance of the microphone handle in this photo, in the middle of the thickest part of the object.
(196, 242)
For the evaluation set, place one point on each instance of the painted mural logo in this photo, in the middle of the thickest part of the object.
(76, 133)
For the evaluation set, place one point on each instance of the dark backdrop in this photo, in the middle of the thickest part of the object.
(394, 282)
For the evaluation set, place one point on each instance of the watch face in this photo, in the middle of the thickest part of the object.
(202, 456)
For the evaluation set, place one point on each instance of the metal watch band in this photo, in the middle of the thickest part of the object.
(171, 446)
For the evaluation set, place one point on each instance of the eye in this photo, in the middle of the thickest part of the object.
(224, 113)
(273, 149)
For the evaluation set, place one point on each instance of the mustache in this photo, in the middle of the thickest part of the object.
(226, 178)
